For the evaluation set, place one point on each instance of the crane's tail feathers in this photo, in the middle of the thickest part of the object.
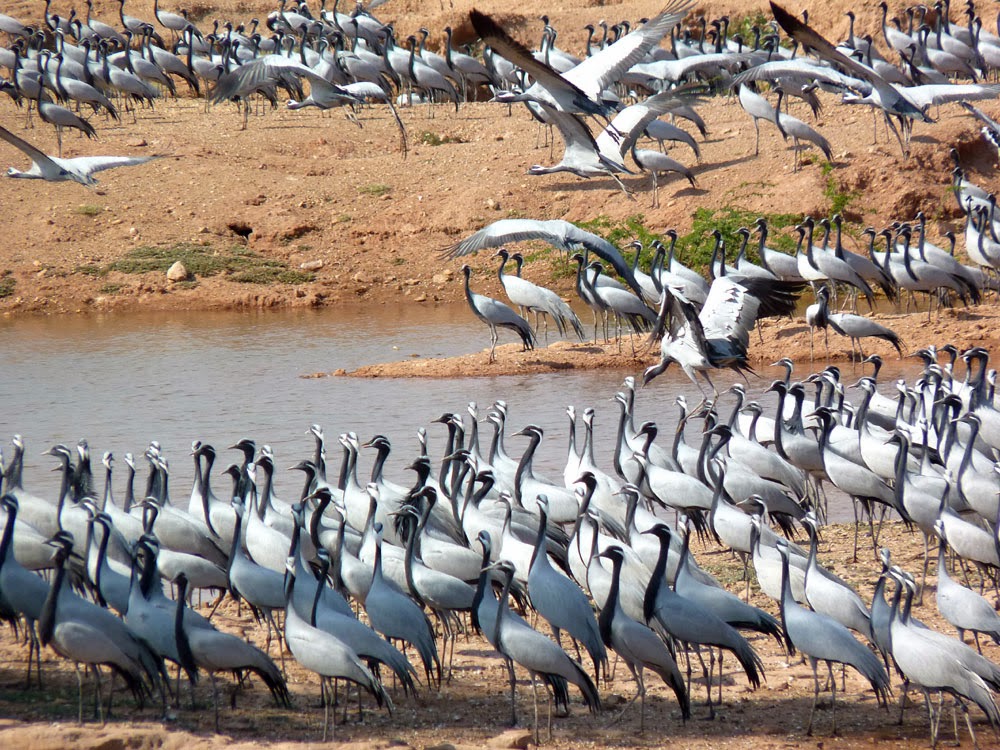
(587, 688)
(673, 679)
(750, 661)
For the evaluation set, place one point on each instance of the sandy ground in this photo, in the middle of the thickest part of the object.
(312, 188)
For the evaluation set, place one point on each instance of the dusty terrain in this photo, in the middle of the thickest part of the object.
(473, 709)
(312, 188)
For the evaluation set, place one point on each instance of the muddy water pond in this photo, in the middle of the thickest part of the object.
(123, 381)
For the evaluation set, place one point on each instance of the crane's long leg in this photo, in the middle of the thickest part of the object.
(833, 697)
(534, 701)
(513, 696)
(215, 700)
(812, 713)
(638, 693)
(79, 686)
(324, 701)
(622, 185)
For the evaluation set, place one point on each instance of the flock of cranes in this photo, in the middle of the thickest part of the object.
(706, 324)
(68, 63)
(483, 536)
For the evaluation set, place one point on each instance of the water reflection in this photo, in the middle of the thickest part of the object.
(121, 381)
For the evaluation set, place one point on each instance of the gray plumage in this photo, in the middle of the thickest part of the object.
(560, 601)
(496, 314)
(557, 232)
(55, 169)
(935, 662)
(829, 595)
(395, 615)
(542, 658)
(538, 299)
(726, 606)
(821, 638)
(83, 632)
(638, 646)
(672, 615)
(963, 608)
(215, 651)
(321, 652)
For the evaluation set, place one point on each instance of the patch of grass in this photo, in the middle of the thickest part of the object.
(111, 288)
(695, 247)
(744, 27)
(89, 209)
(91, 269)
(242, 264)
(270, 273)
(436, 139)
(376, 189)
(620, 232)
(7, 284)
(839, 199)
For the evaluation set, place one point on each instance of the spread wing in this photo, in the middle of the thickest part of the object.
(942, 93)
(810, 39)
(728, 315)
(800, 68)
(509, 48)
(556, 232)
(88, 165)
(605, 67)
(985, 118)
(267, 70)
(632, 121)
(33, 153)
(506, 231)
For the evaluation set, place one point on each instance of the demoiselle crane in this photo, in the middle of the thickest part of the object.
(543, 659)
(496, 314)
(55, 169)
(821, 638)
(638, 646)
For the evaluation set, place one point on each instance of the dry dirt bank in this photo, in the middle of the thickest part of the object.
(964, 327)
(312, 188)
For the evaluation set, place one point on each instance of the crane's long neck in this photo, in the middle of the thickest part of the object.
(234, 548)
(656, 579)
(503, 609)
(379, 463)
(786, 601)
(607, 616)
(620, 441)
(47, 619)
(411, 546)
(524, 465)
(540, 545)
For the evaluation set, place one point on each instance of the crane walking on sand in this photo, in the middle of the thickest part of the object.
(855, 327)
